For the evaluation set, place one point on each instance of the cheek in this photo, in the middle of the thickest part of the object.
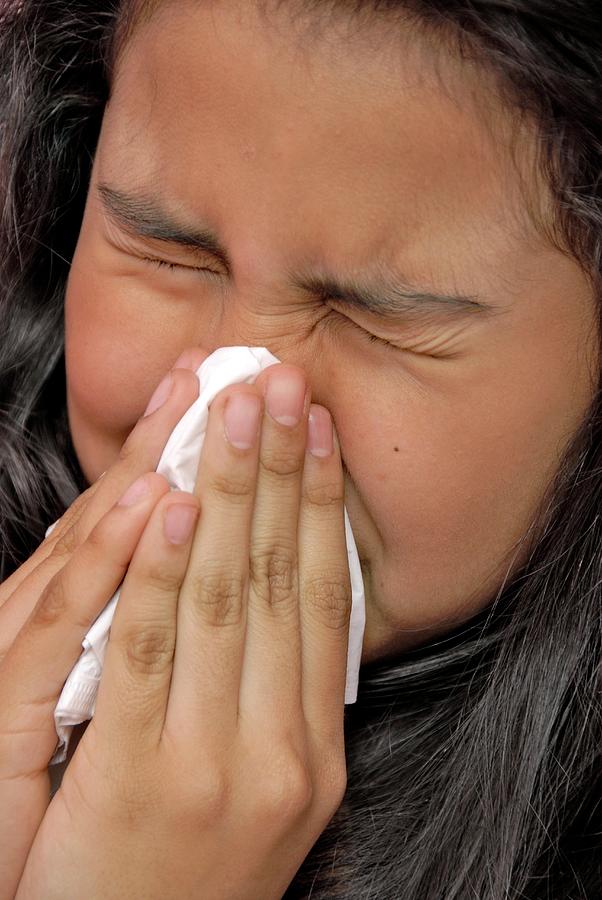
(114, 356)
(450, 502)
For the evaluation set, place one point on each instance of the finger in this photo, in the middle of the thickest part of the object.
(143, 443)
(212, 608)
(270, 691)
(140, 453)
(38, 664)
(133, 693)
(71, 514)
(325, 585)
(24, 587)
(181, 397)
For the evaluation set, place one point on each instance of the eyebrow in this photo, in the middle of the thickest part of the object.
(387, 295)
(140, 214)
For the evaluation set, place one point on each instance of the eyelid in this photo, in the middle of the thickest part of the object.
(162, 263)
(391, 345)
(127, 243)
(347, 321)
(345, 314)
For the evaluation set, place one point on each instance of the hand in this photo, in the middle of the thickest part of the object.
(44, 616)
(215, 757)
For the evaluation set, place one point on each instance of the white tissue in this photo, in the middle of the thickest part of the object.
(178, 464)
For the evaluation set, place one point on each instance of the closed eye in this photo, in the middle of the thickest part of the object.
(367, 335)
(404, 347)
(378, 340)
(161, 263)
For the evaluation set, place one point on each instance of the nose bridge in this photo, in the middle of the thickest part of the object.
(289, 335)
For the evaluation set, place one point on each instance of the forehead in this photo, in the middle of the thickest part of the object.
(378, 142)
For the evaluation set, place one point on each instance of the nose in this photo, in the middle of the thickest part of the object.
(192, 357)
(260, 314)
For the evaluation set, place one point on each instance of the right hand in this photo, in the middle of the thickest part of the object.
(38, 616)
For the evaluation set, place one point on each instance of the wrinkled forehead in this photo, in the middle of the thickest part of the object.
(362, 34)
(422, 105)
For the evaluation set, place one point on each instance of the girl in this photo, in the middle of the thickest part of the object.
(401, 200)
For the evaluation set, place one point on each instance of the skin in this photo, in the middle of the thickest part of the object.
(332, 158)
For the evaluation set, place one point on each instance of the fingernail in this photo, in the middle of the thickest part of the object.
(135, 492)
(241, 419)
(185, 361)
(160, 396)
(179, 521)
(319, 431)
(285, 396)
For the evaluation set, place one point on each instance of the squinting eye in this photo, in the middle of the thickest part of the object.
(161, 263)
(345, 321)
(377, 340)
(369, 336)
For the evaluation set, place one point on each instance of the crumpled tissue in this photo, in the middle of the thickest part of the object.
(178, 464)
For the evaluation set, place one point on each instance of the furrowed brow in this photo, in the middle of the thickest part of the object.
(141, 215)
(392, 297)
(388, 296)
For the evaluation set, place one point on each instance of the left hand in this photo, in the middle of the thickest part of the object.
(215, 757)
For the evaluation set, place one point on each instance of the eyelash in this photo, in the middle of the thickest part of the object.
(161, 263)
(367, 335)
(377, 340)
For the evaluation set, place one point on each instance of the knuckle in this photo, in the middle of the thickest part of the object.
(99, 537)
(66, 526)
(148, 649)
(199, 801)
(280, 462)
(218, 597)
(328, 494)
(232, 488)
(287, 792)
(67, 543)
(161, 577)
(273, 574)
(53, 603)
(329, 599)
(211, 794)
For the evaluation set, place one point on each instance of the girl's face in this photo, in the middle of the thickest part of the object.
(339, 159)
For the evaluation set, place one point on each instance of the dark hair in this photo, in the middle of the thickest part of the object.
(474, 761)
